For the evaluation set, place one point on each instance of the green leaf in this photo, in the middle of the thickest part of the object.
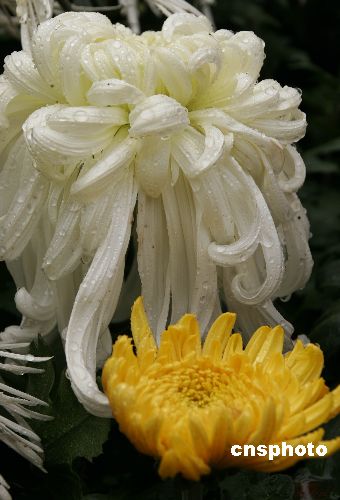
(249, 485)
(73, 432)
(278, 486)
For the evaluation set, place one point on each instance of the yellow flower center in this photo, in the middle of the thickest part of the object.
(196, 386)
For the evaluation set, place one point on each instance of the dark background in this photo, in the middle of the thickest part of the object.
(303, 50)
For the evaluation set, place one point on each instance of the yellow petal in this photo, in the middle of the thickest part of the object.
(305, 362)
(234, 345)
(265, 342)
(140, 327)
(218, 334)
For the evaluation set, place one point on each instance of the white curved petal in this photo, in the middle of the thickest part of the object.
(258, 278)
(103, 279)
(158, 115)
(124, 61)
(28, 305)
(97, 63)
(152, 166)
(194, 156)
(65, 291)
(263, 96)
(213, 198)
(299, 261)
(227, 124)
(22, 216)
(55, 32)
(205, 56)
(21, 72)
(64, 251)
(153, 261)
(249, 318)
(82, 120)
(173, 74)
(178, 263)
(113, 92)
(293, 171)
(187, 148)
(54, 202)
(245, 214)
(52, 149)
(72, 85)
(94, 224)
(185, 24)
(249, 57)
(7, 94)
(98, 176)
(205, 289)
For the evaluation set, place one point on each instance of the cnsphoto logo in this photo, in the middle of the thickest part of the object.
(278, 450)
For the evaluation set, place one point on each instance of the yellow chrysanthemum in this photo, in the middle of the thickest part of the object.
(188, 403)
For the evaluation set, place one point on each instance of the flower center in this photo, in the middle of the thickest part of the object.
(196, 386)
(201, 387)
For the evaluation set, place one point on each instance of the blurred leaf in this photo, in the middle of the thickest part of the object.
(318, 165)
(74, 432)
(327, 334)
(249, 485)
(278, 486)
(328, 278)
(327, 148)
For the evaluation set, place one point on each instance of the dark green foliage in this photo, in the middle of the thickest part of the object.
(72, 432)
(303, 50)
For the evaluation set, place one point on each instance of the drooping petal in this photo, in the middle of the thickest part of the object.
(153, 260)
(22, 216)
(101, 283)
(64, 251)
(152, 165)
(110, 166)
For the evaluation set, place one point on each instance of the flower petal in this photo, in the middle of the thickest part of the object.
(113, 92)
(97, 177)
(185, 24)
(158, 115)
(96, 300)
(152, 165)
(173, 74)
(153, 260)
(51, 148)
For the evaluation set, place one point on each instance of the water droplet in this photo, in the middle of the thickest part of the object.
(74, 346)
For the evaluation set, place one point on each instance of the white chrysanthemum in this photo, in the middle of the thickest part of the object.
(15, 409)
(179, 117)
